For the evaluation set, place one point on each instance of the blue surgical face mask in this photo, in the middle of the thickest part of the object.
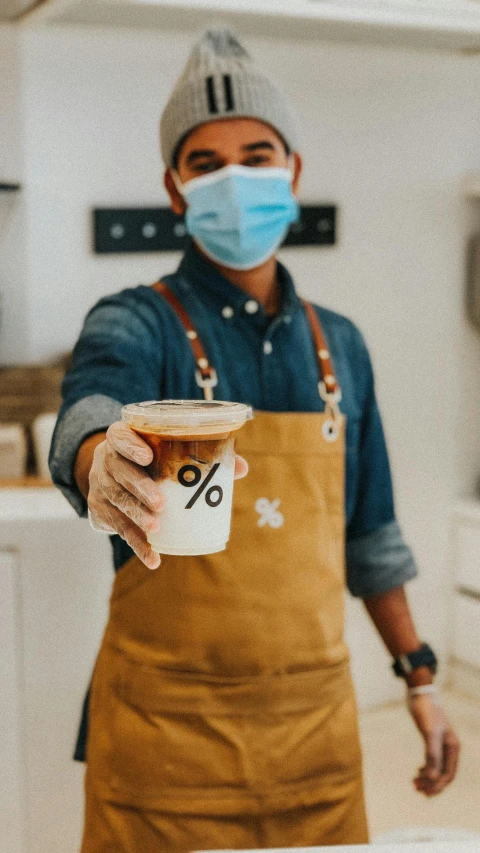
(239, 215)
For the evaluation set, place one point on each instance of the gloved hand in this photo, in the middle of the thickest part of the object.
(122, 497)
(442, 746)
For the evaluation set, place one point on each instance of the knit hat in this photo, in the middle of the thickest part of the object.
(220, 81)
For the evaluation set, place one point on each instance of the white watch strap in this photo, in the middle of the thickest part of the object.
(425, 690)
(422, 689)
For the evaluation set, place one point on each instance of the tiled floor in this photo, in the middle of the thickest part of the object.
(393, 752)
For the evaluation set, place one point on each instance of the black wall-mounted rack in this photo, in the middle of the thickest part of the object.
(158, 229)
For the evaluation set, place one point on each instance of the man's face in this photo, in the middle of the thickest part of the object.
(226, 142)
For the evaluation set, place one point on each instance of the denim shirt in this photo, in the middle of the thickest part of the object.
(133, 348)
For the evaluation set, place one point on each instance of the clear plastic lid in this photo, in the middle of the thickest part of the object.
(185, 416)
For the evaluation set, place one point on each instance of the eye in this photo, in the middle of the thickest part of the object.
(257, 160)
(208, 166)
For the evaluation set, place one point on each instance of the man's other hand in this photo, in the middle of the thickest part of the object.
(442, 746)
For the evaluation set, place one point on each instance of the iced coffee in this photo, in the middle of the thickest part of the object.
(193, 462)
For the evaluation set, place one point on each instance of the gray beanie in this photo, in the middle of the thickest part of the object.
(220, 81)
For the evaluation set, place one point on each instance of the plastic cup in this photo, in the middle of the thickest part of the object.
(193, 462)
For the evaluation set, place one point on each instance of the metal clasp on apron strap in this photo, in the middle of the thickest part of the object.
(330, 428)
(328, 388)
(206, 379)
(330, 398)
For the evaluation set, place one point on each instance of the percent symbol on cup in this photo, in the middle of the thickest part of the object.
(195, 475)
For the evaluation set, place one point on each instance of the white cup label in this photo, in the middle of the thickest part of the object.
(198, 497)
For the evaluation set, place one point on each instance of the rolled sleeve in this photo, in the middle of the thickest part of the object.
(89, 415)
(114, 362)
(379, 562)
(377, 558)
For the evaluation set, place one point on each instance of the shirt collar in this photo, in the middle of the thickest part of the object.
(206, 279)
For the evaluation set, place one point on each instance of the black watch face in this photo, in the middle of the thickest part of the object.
(424, 656)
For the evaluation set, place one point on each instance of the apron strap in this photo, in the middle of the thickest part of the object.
(328, 387)
(206, 375)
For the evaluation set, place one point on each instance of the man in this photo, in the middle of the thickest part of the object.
(221, 713)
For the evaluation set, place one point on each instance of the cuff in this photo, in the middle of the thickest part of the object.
(379, 562)
(87, 416)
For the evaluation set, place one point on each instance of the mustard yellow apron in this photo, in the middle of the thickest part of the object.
(222, 712)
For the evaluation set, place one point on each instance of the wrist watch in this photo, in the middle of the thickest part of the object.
(403, 665)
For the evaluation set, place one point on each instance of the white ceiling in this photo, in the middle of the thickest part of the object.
(422, 24)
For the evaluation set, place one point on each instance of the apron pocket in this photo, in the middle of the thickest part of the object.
(151, 744)
(320, 747)
(144, 755)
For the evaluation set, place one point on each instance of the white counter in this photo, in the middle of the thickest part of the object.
(28, 504)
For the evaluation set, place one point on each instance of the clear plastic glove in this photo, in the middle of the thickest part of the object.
(122, 497)
(442, 746)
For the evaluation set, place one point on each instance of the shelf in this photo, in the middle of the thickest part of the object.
(30, 481)
(420, 24)
(9, 188)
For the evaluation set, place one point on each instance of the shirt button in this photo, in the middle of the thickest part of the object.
(267, 348)
(227, 312)
(287, 319)
(251, 307)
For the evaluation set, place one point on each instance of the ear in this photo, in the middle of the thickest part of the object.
(177, 202)
(297, 171)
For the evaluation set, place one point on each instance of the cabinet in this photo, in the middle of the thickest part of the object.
(55, 578)
(12, 779)
(466, 565)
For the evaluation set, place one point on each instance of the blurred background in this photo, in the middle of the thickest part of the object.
(387, 99)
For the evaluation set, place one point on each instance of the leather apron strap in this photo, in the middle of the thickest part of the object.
(206, 375)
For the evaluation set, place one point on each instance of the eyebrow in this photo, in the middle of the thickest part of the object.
(255, 146)
(199, 154)
(202, 153)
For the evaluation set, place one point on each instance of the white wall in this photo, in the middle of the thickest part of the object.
(386, 135)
